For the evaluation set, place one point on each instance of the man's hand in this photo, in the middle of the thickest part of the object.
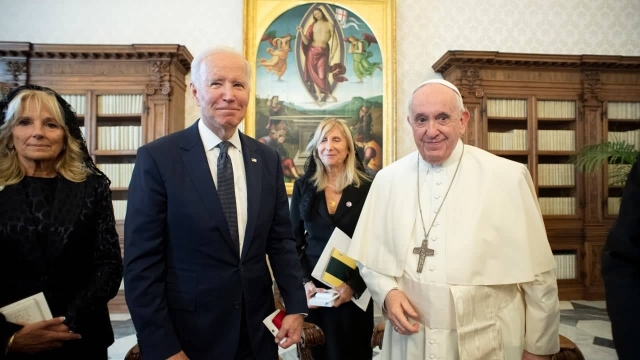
(529, 356)
(346, 293)
(179, 356)
(291, 330)
(42, 336)
(398, 307)
(310, 289)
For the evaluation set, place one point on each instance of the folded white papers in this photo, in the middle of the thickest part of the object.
(338, 240)
(323, 300)
(28, 310)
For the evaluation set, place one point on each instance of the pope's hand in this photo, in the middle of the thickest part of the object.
(529, 356)
(291, 330)
(398, 308)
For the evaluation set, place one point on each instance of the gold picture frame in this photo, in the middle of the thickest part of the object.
(315, 59)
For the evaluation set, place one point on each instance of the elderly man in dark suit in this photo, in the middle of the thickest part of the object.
(621, 270)
(205, 206)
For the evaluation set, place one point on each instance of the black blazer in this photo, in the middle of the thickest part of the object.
(184, 280)
(81, 268)
(621, 269)
(313, 226)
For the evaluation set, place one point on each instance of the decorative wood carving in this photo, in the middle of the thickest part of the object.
(160, 77)
(470, 76)
(16, 68)
(596, 270)
(591, 86)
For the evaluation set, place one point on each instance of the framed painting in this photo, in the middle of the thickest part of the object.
(317, 59)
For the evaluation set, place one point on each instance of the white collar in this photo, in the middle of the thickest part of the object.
(211, 140)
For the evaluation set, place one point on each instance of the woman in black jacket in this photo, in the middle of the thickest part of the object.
(57, 231)
(331, 195)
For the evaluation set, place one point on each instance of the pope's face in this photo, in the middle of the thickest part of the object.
(436, 122)
(223, 91)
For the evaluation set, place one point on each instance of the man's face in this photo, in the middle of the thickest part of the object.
(223, 92)
(437, 122)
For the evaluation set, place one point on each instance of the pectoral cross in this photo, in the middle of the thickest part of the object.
(423, 251)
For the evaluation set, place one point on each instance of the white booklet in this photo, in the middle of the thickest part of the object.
(338, 241)
(28, 310)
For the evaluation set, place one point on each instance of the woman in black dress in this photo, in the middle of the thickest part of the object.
(331, 194)
(57, 231)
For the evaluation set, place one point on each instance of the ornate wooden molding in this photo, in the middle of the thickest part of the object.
(592, 86)
(4, 89)
(494, 58)
(171, 53)
(470, 79)
(16, 68)
(160, 77)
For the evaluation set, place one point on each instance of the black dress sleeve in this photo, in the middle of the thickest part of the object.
(299, 231)
(7, 330)
(107, 258)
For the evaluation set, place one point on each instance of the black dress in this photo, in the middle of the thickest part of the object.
(347, 329)
(58, 237)
(621, 269)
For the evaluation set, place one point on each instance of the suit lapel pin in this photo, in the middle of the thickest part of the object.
(349, 204)
(254, 160)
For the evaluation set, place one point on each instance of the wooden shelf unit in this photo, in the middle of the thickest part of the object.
(566, 105)
(125, 96)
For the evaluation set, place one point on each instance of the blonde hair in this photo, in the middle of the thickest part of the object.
(70, 161)
(351, 174)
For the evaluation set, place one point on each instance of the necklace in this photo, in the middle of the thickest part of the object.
(331, 196)
(423, 250)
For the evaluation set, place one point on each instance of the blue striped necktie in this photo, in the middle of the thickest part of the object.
(227, 192)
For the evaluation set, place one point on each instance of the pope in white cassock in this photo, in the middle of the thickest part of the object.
(452, 244)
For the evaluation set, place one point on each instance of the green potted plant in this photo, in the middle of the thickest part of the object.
(591, 157)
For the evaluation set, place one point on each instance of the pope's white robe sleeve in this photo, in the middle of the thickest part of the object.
(378, 284)
(542, 316)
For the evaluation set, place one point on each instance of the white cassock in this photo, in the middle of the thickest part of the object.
(492, 268)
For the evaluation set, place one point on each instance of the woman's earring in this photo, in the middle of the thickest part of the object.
(10, 146)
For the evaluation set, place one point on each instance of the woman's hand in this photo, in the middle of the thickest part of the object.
(42, 336)
(310, 289)
(346, 293)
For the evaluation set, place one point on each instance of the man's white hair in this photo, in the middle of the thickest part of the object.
(196, 64)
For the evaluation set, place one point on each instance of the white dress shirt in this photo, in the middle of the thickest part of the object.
(210, 142)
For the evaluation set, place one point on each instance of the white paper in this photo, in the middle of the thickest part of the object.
(338, 240)
(28, 310)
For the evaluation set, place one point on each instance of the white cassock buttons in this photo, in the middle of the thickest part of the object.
(438, 182)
